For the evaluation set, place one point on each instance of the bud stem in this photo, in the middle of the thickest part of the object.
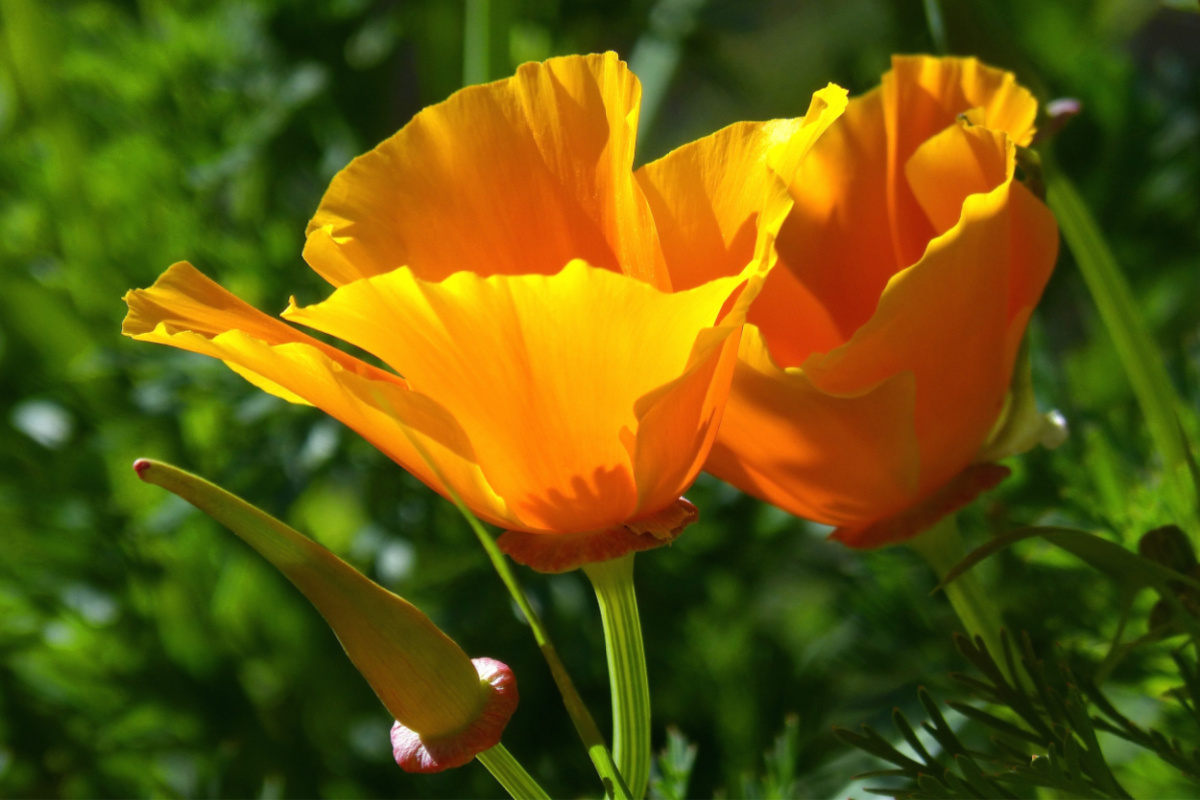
(614, 785)
(585, 725)
(613, 582)
(511, 775)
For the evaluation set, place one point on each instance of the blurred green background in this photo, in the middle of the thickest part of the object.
(146, 652)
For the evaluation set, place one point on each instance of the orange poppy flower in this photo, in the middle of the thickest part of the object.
(877, 359)
(499, 256)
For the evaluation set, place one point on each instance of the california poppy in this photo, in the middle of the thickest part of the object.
(876, 361)
(544, 363)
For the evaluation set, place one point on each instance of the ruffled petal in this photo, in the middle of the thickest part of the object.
(833, 459)
(678, 421)
(890, 344)
(931, 92)
(960, 161)
(184, 299)
(940, 320)
(959, 492)
(834, 249)
(514, 177)
(923, 95)
(543, 373)
(186, 310)
(718, 202)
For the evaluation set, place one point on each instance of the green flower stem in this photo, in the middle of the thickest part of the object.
(613, 582)
(657, 52)
(477, 42)
(615, 786)
(511, 775)
(942, 547)
(937, 26)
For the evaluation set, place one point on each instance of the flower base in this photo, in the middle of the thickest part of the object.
(959, 492)
(563, 552)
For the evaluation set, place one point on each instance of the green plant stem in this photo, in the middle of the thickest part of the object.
(614, 785)
(477, 42)
(1135, 347)
(942, 547)
(936, 25)
(657, 52)
(613, 582)
(511, 775)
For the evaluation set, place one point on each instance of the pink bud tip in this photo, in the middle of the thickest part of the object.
(1063, 107)
(140, 466)
(416, 754)
(1058, 113)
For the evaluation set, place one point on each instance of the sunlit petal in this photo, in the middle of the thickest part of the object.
(514, 177)
(718, 202)
(852, 455)
(543, 372)
(184, 309)
(940, 320)
(922, 96)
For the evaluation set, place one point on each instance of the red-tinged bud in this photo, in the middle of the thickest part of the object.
(417, 753)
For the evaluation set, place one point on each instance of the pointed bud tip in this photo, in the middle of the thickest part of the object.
(416, 754)
(140, 466)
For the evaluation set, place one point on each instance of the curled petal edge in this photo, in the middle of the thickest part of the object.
(424, 755)
(563, 552)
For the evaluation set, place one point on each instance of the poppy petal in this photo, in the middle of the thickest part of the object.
(940, 320)
(924, 95)
(718, 202)
(184, 299)
(958, 493)
(184, 309)
(678, 423)
(514, 177)
(831, 272)
(525, 361)
(853, 455)
(960, 161)
(931, 92)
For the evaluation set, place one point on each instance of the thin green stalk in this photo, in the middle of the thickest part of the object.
(1135, 347)
(511, 775)
(589, 732)
(477, 34)
(942, 547)
(657, 52)
(614, 785)
(937, 26)
(613, 582)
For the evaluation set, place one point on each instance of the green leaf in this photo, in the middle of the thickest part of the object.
(675, 765)
(1135, 347)
(1129, 570)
